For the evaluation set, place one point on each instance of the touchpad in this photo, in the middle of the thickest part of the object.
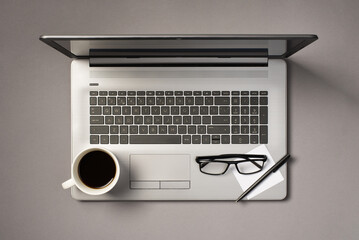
(159, 171)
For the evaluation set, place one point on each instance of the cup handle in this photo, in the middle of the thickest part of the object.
(69, 183)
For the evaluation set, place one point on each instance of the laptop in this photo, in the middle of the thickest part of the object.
(159, 101)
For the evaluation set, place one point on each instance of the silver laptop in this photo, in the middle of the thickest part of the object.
(159, 101)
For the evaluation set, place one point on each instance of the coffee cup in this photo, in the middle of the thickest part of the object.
(94, 171)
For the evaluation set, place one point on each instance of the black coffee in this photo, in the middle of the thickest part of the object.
(97, 169)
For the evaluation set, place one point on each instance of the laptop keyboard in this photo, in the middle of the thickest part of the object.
(178, 117)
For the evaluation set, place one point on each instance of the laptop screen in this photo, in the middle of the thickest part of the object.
(272, 46)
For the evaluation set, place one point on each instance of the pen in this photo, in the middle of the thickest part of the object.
(274, 168)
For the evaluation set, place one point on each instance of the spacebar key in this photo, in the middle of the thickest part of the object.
(155, 139)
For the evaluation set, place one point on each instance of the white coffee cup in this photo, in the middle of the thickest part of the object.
(76, 180)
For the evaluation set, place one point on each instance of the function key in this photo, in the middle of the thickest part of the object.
(141, 93)
(150, 93)
(131, 93)
(188, 93)
(93, 93)
(206, 93)
(169, 93)
(263, 93)
(113, 93)
(216, 93)
(121, 93)
(103, 93)
(254, 92)
(160, 93)
(245, 93)
(197, 93)
(235, 93)
(178, 93)
(225, 93)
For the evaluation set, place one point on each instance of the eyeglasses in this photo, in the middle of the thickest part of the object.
(218, 165)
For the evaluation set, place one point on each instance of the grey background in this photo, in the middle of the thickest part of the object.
(323, 200)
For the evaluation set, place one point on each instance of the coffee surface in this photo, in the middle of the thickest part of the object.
(97, 169)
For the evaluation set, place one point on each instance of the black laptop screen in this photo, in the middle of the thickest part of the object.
(272, 46)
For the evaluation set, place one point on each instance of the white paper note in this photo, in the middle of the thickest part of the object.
(245, 181)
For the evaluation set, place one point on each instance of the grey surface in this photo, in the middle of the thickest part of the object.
(323, 197)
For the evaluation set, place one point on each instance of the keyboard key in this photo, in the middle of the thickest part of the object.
(109, 120)
(103, 93)
(235, 129)
(136, 110)
(177, 120)
(170, 100)
(148, 119)
(167, 120)
(235, 110)
(182, 130)
(244, 100)
(263, 131)
(191, 129)
(121, 93)
(188, 93)
(216, 139)
(263, 115)
(254, 119)
(145, 110)
(114, 139)
(96, 120)
(184, 110)
(254, 139)
(106, 110)
(174, 110)
(225, 93)
(222, 100)
(263, 93)
(187, 120)
(152, 129)
(165, 110)
(206, 120)
(123, 129)
(160, 93)
(186, 139)
(255, 93)
(225, 139)
(138, 120)
(111, 101)
(263, 100)
(235, 93)
(93, 101)
(189, 100)
(169, 93)
(198, 100)
(224, 110)
(245, 129)
(113, 129)
(216, 93)
(197, 93)
(213, 110)
(123, 139)
(121, 101)
(196, 120)
(194, 110)
(254, 129)
(155, 139)
(178, 93)
(93, 93)
(235, 119)
(126, 110)
(150, 100)
(141, 100)
(254, 101)
(155, 110)
(131, 93)
(244, 110)
(116, 110)
(157, 119)
(94, 139)
(240, 139)
(141, 93)
(133, 129)
(172, 129)
(150, 93)
(254, 110)
(206, 93)
(218, 129)
(143, 130)
(160, 100)
(235, 100)
(99, 129)
(104, 139)
(201, 129)
(102, 101)
(208, 100)
(196, 139)
(162, 129)
(203, 110)
(245, 93)
(206, 139)
(220, 120)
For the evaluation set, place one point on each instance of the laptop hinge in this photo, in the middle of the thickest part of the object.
(172, 57)
(178, 61)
